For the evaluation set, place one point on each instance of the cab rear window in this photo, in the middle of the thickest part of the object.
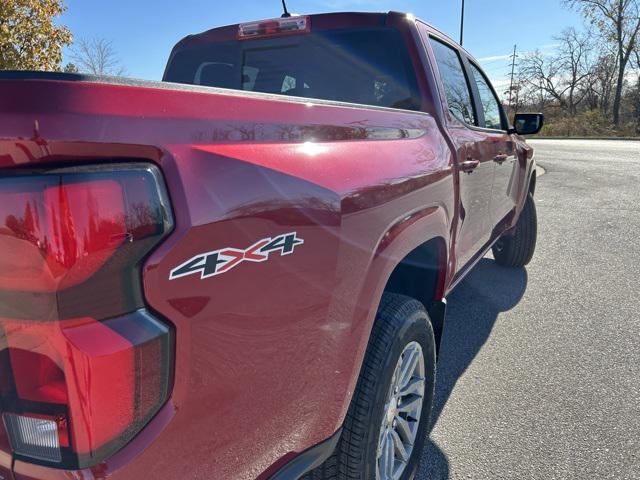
(365, 66)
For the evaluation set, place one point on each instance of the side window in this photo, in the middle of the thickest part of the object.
(455, 82)
(490, 104)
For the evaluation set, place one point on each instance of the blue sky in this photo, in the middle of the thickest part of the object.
(143, 31)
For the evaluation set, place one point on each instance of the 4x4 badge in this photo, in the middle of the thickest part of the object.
(221, 261)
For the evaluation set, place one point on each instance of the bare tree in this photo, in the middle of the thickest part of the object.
(96, 56)
(575, 59)
(563, 76)
(540, 75)
(637, 92)
(601, 82)
(618, 21)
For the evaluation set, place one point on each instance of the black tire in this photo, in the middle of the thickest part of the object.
(400, 321)
(517, 248)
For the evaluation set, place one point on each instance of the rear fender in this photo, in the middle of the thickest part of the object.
(394, 245)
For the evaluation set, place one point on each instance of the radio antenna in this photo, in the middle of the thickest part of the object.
(286, 13)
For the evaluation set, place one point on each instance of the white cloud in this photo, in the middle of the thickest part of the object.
(544, 49)
(493, 58)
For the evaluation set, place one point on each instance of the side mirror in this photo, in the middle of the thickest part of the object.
(527, 123)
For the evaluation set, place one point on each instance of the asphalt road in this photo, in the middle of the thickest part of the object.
(539, 376)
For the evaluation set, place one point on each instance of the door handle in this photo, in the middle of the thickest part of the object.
(501, 158)
(469, 165)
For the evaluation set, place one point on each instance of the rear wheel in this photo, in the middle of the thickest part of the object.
(386, 426)
(517, 248)
(402, 414)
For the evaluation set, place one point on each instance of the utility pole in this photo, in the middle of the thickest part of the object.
(462, 24)
(513, 69)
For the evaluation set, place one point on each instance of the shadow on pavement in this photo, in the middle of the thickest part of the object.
(473, 308)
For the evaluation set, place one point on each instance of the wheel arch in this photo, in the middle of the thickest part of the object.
(421, 274)
(400, 254)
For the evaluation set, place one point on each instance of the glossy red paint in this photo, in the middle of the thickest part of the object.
(267, 354)
(54, 219)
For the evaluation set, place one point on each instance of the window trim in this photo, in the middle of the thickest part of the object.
(462, 59)
(503, 116)
(466, 62)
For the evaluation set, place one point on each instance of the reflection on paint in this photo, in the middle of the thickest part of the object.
(312, 149)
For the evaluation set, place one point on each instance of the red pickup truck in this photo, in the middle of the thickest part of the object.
(240, 272)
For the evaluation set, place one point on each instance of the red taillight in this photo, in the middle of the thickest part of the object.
(83, 366)
(57, 234)
(276, 26)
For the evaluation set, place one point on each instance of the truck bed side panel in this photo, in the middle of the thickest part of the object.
(267, 353)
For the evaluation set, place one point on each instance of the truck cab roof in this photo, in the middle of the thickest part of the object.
(319, 21)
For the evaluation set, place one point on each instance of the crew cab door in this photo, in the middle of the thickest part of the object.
(498, 145)
(474, 159)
